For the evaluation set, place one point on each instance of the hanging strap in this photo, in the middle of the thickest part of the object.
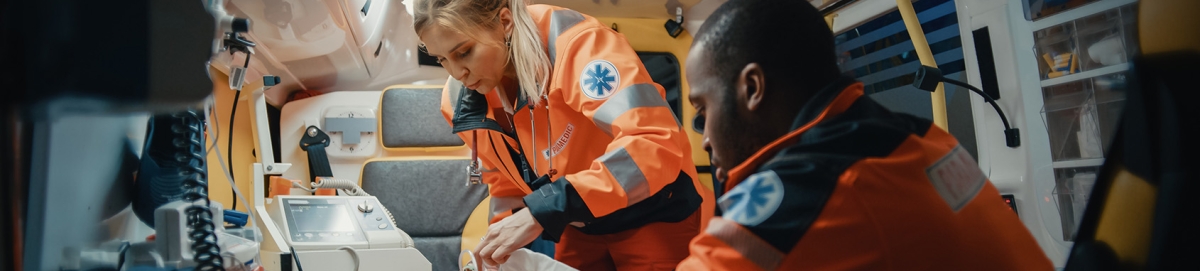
(474, 176)
(314, 142)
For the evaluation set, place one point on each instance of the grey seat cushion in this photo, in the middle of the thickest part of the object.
(441, 251)
(427, 197)
(413, 118)
(429, 200)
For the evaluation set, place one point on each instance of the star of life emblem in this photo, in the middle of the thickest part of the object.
(754, 200)
(599, 79)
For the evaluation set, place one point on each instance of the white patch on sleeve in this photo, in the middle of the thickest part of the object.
(754, 200)
(956, 177)
(599, 79)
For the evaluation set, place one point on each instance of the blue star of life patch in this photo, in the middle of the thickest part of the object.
(754, 200)
(599, 79)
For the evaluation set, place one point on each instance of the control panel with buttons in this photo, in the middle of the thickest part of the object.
(334, 219)
(329, 222)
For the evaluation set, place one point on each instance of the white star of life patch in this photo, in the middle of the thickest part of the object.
(599, 79)
(754, 200)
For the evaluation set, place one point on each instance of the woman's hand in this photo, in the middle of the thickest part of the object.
(508, 235)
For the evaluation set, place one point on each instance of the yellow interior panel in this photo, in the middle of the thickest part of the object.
(1168, 25)
(1127, 218)
(243, 142)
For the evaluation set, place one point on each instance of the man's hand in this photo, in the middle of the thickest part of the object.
(506, 236)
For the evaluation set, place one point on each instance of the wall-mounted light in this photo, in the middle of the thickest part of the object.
(675, 27)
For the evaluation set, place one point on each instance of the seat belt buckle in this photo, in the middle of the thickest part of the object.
(473, 175)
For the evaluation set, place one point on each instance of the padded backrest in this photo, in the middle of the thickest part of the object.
(429, 201)
(411, 117)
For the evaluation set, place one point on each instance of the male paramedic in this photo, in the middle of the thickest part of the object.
(819, 176)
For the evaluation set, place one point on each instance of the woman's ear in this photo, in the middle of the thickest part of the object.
(506, 21)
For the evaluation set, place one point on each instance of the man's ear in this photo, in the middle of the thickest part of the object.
(751, 86)
(506, 21)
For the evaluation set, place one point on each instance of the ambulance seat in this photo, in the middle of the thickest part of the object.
(422, 178)
(1142, 212)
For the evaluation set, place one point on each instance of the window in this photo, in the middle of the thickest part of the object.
(880, 54)
(664, 70)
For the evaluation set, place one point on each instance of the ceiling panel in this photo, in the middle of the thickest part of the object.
(664, 9)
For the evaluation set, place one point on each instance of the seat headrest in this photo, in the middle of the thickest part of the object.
(411, 117)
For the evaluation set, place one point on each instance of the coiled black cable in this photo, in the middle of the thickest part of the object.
(189, 139)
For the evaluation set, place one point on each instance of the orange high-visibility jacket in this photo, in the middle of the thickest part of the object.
(620, 158)
(857, 187)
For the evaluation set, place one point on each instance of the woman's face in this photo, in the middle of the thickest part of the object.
(478, 61)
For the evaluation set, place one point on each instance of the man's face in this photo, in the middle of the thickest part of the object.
(720, 117)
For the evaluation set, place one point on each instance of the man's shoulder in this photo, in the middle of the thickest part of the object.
(781, 200)
(865, 129)
(805, 165)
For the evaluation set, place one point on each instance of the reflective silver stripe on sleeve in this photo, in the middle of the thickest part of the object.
(504, 204)
(626, 171)
(745, 242)
(639, 95)
(560, 21)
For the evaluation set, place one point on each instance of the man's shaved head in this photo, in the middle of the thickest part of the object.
(752, 66)
(788, 38)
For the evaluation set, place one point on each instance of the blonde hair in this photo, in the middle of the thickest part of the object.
(473, 17)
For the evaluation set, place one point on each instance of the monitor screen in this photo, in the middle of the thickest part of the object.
(322, 218)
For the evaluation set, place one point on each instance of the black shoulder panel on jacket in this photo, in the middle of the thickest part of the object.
(786, 195)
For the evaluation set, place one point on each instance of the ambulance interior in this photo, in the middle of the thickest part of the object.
(1077, 129)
